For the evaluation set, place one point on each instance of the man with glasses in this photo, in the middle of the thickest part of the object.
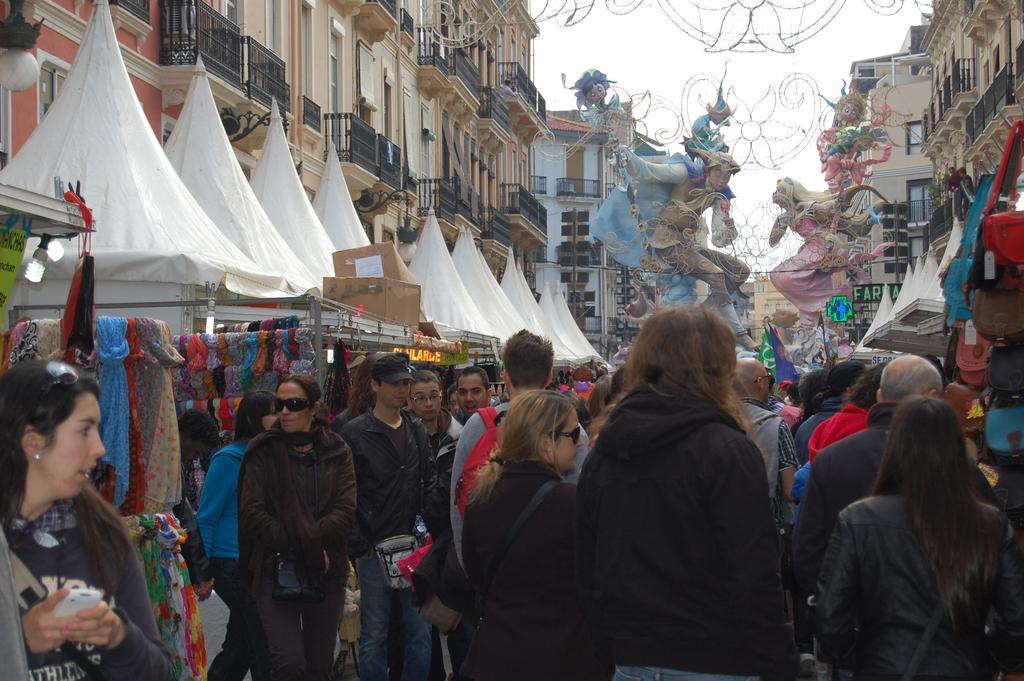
(426, 400)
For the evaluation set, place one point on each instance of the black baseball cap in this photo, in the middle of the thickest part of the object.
(391, 368)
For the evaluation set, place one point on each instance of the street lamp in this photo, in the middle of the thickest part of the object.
(19, 69)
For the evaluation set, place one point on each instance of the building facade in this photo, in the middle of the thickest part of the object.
(767, 301)
(423, 115)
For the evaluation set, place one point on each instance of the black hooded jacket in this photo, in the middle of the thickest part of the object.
(677, 551)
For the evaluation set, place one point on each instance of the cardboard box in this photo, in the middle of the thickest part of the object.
(381, 296)
(375, 260)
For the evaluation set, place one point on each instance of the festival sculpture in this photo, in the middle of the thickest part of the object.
(653, 220)
(844, 147)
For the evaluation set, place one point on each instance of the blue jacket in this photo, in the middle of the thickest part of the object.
(218, 506)
(829, 408)
(799, 487)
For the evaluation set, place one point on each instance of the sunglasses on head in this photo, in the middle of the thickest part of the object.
(573, 434)
(59, 373)
(292, 404)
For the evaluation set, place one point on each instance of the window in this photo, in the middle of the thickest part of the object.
(274, 26)
(365, 85)
(920, 204)
(865, 70)
(387, 110)
(51, 80)
(307, 51)
(916, 246)
(335, 103)
(231, 8)
(425, 124)
(915, 135)
(995, 60)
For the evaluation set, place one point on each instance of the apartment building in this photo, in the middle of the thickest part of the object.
(767, 301)
(570, 182)
(424, 116)
(975, 49)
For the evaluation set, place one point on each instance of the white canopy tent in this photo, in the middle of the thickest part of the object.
(553, 315)
(443, 297)
(201, 153)
(513, 283)
(882, 315)
(149, 228)
(489, 298)
(573, 330)
(333, 206)
(280, 192)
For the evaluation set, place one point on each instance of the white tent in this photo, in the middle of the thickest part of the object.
(489, 298)
(908, 292)
(149, 228)
(513, 283)
(201, 153)
(333, 205)
(557, 323)
(883, 315)
(929, 286)
(443, 297)
(280, 192)
(569, 324)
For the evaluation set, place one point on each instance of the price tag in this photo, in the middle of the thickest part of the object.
(990, 265)
(970, 333)
(360, 310)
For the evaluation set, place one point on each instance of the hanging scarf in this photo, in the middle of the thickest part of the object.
(114, 405)
(259, 365)
(251, 350)
(280, 358)
(135, 497)
(304, 341)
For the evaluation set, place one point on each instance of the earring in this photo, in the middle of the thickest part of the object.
(36, 456)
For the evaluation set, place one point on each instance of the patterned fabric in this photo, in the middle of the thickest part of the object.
(48, 343)
(160, 426)
(787, 459)
(24, 341)
(135, 497)
(59, 517)
(112, 347)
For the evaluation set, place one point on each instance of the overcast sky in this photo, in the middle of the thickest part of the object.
(644, 51)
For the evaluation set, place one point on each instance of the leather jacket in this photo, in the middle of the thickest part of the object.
(876, 593)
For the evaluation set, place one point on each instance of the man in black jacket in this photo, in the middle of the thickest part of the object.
(844, 472)
(394, 478)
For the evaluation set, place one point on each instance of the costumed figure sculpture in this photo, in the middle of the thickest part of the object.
(705, 133)
(843, 147)
(825, 264)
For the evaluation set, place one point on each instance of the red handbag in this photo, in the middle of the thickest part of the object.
(972, 360)
(1003, 233)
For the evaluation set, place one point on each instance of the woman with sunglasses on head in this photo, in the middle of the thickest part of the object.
(69, 542)
(296, 505)
(245, 645)
(532, 623)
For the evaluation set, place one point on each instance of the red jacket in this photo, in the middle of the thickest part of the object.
(851, 419)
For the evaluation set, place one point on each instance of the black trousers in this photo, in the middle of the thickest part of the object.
(301, 637)
(245, 645)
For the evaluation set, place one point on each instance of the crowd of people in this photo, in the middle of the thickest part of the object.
(689, 519)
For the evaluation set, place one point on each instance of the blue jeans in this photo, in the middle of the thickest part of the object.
(662, 674)
(374, 617)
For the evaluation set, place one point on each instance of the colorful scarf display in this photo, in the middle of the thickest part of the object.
(112, 347)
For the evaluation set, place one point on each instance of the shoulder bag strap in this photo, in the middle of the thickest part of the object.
(30, 592)
(538, 497)
(922, 645)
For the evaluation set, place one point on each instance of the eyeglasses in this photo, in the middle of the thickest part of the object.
(573, 434)
(766, 377)
(59, 373)
(292, 404)
(421, 399)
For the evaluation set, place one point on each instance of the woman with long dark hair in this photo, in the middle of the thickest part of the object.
(66, 536)
(533, 626)
(913, 572)
(297, 502)
(677, 551)
(360, 396)
(245, 645)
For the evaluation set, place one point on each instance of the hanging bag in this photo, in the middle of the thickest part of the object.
(999, 314)
(1007, 369)
(972, 358)
(1004, 434)
(295, 582)
(966, 402)
(1003, 233)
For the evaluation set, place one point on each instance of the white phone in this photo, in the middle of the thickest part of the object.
(78, 600)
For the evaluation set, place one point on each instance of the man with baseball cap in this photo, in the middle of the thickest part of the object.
(394, 476)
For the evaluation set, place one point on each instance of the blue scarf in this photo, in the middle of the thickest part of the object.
(112, 347)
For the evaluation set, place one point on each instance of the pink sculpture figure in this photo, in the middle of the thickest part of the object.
(844, 148)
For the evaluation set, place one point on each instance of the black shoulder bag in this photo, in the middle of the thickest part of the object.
(296, 583)
(538, 498)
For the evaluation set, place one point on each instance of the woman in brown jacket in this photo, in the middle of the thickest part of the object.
(533, 627)
(297, 502)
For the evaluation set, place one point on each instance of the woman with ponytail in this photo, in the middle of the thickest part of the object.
(297, 502)
(525, 580)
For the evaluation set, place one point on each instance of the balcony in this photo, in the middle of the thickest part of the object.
(920, 210)
(539, 185)
(493, 113)
(439, 195)
(947, 95)
(586, 254)
(963, 77)
(578, 188)
(466, 81)
(1002, 88)
(467, 203)
(526, 212)
(432, 78)
(265, 75)
(355, 139)
(310, 113)
(592, 326)
(190, 29)
(528, 107)
(138, 8)
(495, 225)
(408, 29)
(389, 160)
(376, 19)
(969, 128)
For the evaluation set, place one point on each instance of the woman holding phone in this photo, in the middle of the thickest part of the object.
(66, 542)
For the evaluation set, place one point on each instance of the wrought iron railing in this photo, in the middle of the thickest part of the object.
(574, 186)
(311, 113)
(980, 117)
(592, 325)
(518, 201)
(964, 76)
(969, 128)
(464, 68)
(539, 184)
(947, 94)
(389, 160)
(408, 26)
(355, 139)
(495, 225)
(1002, 88)
(438, 194)
(494, 107)
(265, 78)
(190, 29)
(920, 210)
(467, 203)
(139, 8)
(389, 5)
(429, 51)
(513, 76)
